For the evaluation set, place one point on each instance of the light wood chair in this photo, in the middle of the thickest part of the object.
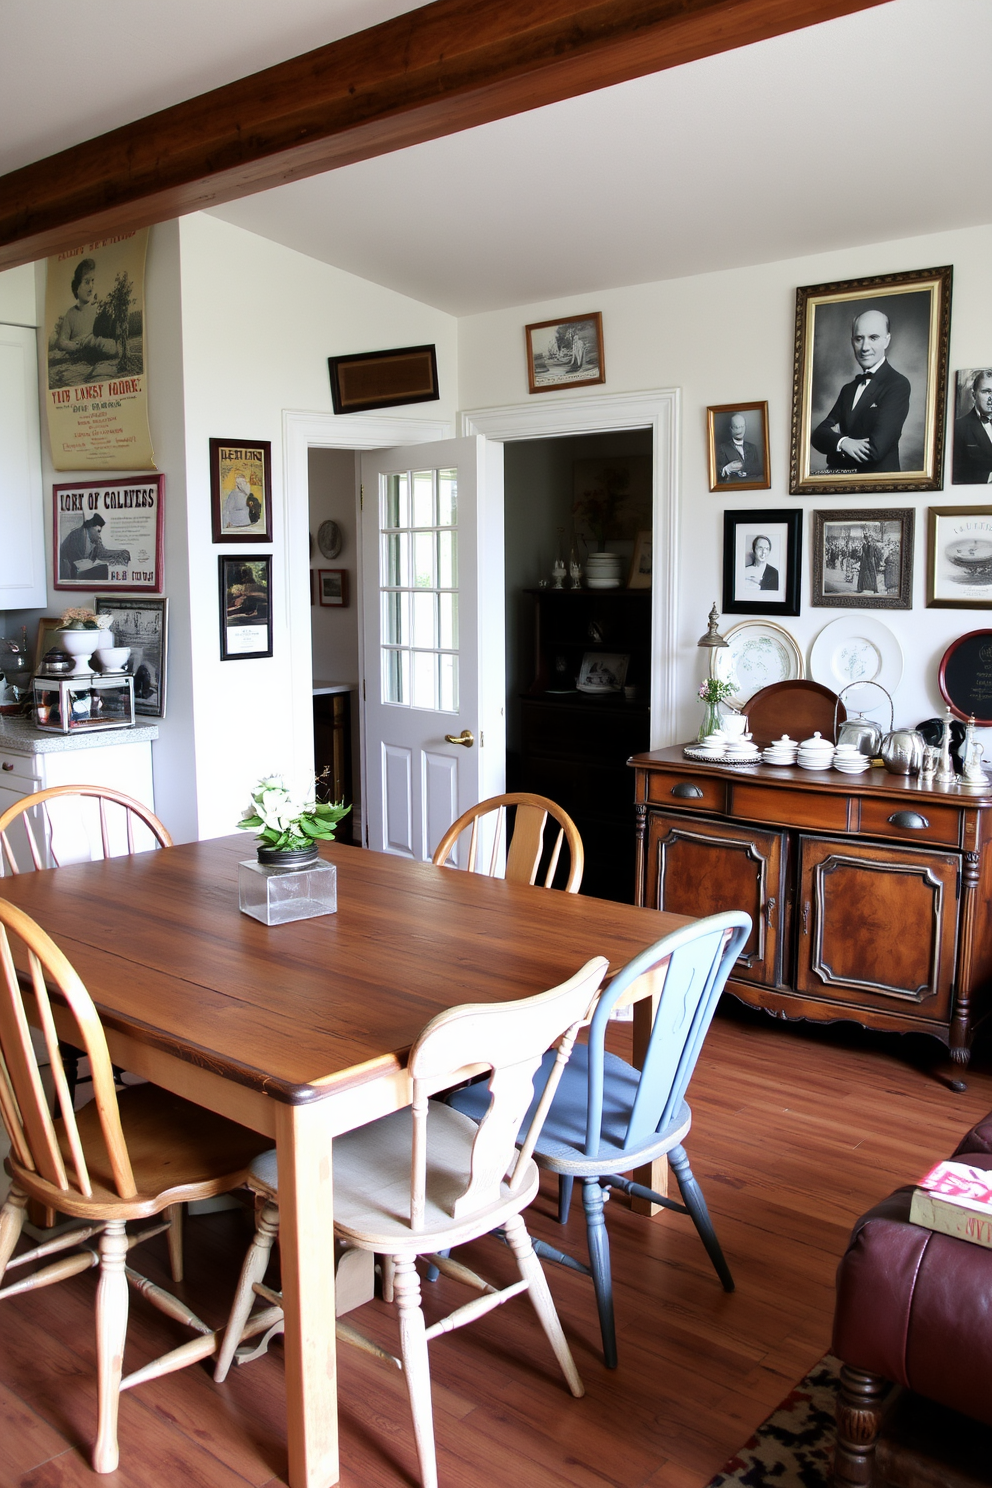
(36, 806)
(526, 847)
(134, 1156)
(424, 1179)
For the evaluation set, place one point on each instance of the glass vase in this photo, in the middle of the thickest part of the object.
(711, 720)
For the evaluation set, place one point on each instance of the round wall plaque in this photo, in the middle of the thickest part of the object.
(329, 539)
(965, 676)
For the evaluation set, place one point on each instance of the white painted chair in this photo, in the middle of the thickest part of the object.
(426, 1178)
(526, 848)
(135, 1156)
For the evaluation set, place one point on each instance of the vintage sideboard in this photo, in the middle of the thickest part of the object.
(869, 893)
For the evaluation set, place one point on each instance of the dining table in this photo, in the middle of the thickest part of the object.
(301, 1031)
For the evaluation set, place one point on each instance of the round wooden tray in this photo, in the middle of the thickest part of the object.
(799, 709)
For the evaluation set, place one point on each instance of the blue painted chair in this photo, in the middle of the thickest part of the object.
(608, 1118)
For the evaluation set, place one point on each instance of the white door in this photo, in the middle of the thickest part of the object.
(433, 638)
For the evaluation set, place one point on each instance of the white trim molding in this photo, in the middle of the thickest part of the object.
(660, 410)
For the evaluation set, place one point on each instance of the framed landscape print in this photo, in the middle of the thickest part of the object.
(108, 534)
(245, 607)
(737, 443)
(959, 558)
(870, 384)
(241, 490)
(565, 353)
(762, 562)
(863, 559)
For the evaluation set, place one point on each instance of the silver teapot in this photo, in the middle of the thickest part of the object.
(902, 751)
(863, 733)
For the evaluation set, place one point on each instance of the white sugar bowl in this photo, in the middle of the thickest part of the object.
(816, 753)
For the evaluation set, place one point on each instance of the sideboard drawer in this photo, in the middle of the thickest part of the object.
(792, 807)
(694, 792)
(914, 822)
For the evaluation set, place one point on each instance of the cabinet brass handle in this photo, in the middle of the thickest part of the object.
(686, 791)
(10, 767)
(911, 819)
(466, 737)
(769, 912)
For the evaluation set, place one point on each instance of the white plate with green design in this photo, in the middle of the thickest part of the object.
(758, 653)
(856, 648)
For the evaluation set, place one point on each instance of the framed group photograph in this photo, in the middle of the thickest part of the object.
(959, 558)
(241, 490)
(332, 586)
(245, 607)
(863, 559)
(870, 384)
(565, 353)
(737, 442)
(971, 463)
(762, 562)
(143, 625)
(109, 534)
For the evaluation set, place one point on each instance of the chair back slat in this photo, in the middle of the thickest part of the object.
(699, 959)
(497, 852)
(104, 834)
(549, 877)
(79, 833)
(526, 847)
(510, 1038)
(30, 959)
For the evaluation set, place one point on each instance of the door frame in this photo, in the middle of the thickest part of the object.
(660, 410)
(302, 432)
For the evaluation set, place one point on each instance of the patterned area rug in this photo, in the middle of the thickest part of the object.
(794, 1447)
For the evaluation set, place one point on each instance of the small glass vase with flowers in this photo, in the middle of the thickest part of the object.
(713, 692)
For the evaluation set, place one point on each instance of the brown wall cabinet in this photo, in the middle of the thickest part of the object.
(867, 896)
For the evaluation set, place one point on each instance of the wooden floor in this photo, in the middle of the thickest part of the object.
(796, 1131)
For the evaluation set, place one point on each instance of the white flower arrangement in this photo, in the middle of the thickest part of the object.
(288, 821)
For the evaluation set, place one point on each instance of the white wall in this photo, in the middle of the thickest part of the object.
(729, 336)
(259, 322)
(18, 305)
(334, 629)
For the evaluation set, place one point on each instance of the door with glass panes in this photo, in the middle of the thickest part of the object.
(432, 594)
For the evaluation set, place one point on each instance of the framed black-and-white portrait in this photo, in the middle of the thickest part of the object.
(737, 444)
(762, 562)
(870, 384)
(863, 559)
(143, 626)
(959, 558)
(565, 353)
(972, 459)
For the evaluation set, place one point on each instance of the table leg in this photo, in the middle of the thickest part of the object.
(653, 1175)
(306, 1242)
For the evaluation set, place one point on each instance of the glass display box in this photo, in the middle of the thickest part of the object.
(82, 705)
(278, 895)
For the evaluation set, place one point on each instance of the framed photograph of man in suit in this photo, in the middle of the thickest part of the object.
(870, 384)
(737, 439)
(972, 465)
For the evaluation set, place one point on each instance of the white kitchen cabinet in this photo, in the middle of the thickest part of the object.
(23, 579)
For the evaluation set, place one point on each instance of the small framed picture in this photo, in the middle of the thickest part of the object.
(640, 564)
(972, 462)
(762, 562)
(332, 586)
(565, 353)
(383, 379)
(863, 559)
(603, 672)
(737, 438)
(241, 490)
(245, 606)
(143, 626)
(870, 384)
(959, 559)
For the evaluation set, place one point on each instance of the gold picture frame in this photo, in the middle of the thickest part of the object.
(741, 466)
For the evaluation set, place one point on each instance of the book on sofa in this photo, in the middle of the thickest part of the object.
(955, 1199)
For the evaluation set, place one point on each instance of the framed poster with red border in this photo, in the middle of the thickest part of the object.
(108, 535)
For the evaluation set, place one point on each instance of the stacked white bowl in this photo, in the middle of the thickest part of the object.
(816, 753)
(780, 751)
(742, 748)
(849, 759)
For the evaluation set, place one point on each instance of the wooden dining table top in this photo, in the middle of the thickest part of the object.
(308, 1009)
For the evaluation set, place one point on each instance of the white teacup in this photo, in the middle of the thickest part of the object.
(734, 724)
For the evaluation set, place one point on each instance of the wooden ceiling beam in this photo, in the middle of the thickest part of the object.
(434, 71)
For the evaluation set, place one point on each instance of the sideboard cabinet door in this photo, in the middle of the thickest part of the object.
(22, 547)
(697, 867)
(877, 925)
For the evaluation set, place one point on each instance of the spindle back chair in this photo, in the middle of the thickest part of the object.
(526, 847)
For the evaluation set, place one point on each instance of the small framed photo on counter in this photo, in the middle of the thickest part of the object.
(245, 607)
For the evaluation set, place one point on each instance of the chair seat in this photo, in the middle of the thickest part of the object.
(178, 1152)
(372, 1184)
(561, 1145)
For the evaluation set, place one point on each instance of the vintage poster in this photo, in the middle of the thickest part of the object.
(108, 535)
(241, 490)
(95, 331)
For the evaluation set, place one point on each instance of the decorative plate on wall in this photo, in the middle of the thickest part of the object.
(758, 653)
(965, 676)
(856, 648)
(329, 539)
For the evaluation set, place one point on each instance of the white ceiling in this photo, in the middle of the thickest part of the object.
(860, 130)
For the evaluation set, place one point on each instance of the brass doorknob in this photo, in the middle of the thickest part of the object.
(466, 737)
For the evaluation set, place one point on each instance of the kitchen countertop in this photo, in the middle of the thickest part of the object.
(324, 689)
(18, 736)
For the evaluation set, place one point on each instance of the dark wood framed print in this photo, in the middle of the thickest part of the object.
(108, 535)
(959, 558)
(332, 587)
(762, 562)
(143, 625)
(870, 384)
(737, 444)
(565, 353)
(383, 379)
(965, 677)
(245, 606)
(241, 490)
(863, 560)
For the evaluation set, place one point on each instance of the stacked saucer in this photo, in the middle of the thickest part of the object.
(709, 748)
(816, 753)
(849, 759)
(780, 751)
(742, 749)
